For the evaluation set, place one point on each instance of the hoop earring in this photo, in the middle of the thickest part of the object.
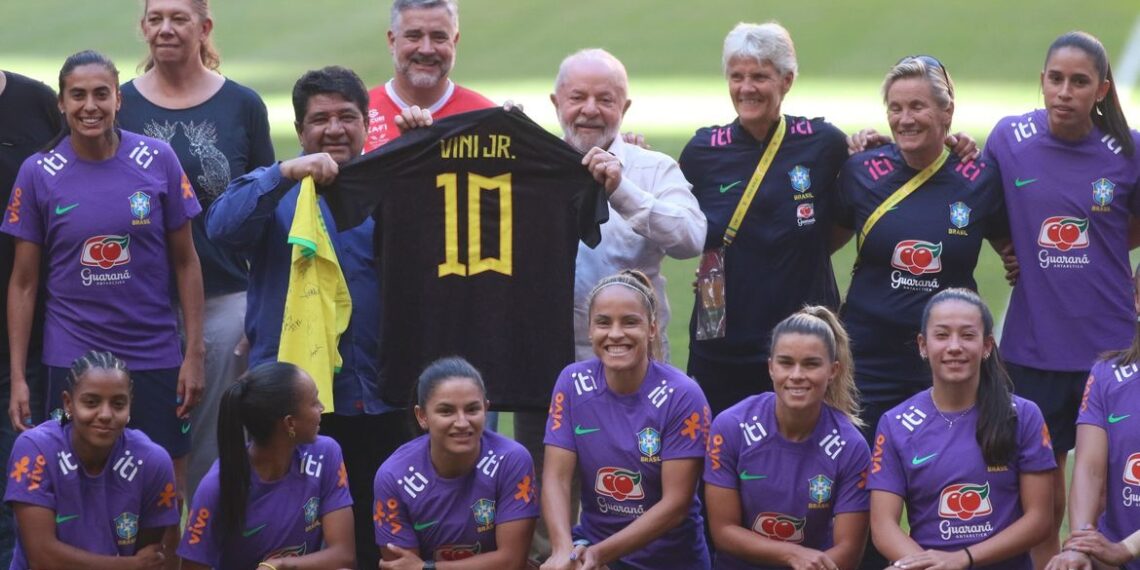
(292, 434)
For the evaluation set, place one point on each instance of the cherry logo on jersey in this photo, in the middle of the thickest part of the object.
(620, 484)
(1064, 233)
(1132, 469)
(965, 501)
(917, 256)
(452, 552)
(778, 526)
(106, 251)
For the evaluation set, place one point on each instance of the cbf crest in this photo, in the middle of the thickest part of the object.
(959, 215)
(819, 489)
(801, 178)
(127, 527)
(649, 442)
(1103, 190)
(311, 509)
(484, 511)
(140, 205)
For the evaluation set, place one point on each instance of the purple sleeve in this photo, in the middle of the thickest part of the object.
(1035, 448)
(517, 489)
(334, 488)
(391, 521)
(886, 469)
(685, 435)
(29, 481)
(559, 432)
(852, 495)
(22, 219)
(180, 203)
(993, 143)
(1092, 403)
(723, 452)
(200, 542)
(160, 501)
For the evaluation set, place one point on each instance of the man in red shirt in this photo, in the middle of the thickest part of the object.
(422, 37)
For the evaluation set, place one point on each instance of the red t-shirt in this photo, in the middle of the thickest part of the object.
(382, 111)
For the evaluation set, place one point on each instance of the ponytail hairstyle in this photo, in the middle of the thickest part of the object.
(85, 57)
(1130, 355)
(435, 374)
(206, 50)
(820, 322)
(997, 420)
(94, 360)
(255, 404)
(639, 282)
(1106, 113)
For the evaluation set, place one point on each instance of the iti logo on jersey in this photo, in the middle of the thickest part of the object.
(819, 489)
(1064, 233)
(1102, 191)
(619, 484)
(801, 179)
(778, 526)
(959, 214)
(140, 205)
(917, 256)
(805, 214)
(127, 527)
(964, 501)
(106, 252)
(484, 511)
(649, 442)
(1132, 469)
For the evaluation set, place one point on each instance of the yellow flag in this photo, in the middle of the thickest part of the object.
(317, 305)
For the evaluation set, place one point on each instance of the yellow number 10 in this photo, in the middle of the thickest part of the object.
(476, 263)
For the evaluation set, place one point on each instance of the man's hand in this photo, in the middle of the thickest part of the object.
(320, 166)
(605, 167)
(413, 118)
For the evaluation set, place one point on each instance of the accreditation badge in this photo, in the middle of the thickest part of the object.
(710, 295)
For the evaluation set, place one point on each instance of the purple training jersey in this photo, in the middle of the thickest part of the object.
(621, 441)
(953, 499)
(103, 513)
(1112, 403)
(789, 491)
(103, 228)
(1069, 205)
(453, 519)
(282, 517)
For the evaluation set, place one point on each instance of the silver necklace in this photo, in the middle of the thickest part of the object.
(950, 421)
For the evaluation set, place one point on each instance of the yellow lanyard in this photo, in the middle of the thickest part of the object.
(754, 183)
(898, 196)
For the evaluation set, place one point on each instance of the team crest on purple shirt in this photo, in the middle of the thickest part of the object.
(819, 489)
(1102, 191)
(801, 178)
(484, 511)
(649, 444)
(311, 509)
(127, 528)
(959, 214)
(140, 207)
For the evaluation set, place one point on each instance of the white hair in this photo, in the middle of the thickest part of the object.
(593, 54)
(769, 42)
(398, 7)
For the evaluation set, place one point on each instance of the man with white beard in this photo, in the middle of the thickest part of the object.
(422, 37)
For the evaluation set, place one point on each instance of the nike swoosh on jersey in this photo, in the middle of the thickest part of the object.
(916, 460)
(746, 476)
(252, 531)
(60, 519)
(61, 210)
(185, 427)
(725, 188)
(1019, 182)
(420, 526)
(1113, 418)
(579, 430)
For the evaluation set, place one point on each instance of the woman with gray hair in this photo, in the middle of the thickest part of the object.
(919, 214)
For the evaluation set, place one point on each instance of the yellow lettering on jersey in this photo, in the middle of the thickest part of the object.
(451, 265)
(475, 260)
(956, 232)
(476, 146)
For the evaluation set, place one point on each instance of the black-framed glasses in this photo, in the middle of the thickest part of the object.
(930, 60)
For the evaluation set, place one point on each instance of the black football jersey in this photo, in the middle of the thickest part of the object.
(478, 219)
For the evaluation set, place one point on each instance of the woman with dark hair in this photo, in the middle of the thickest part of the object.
(1106, 471)
(1072, 189)
(219, 130)
(971, 462)
(89, 492)
(763, 450)
(280, 502)
(920, 215)
(108, 210)
(634, 430)
(458, 493)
